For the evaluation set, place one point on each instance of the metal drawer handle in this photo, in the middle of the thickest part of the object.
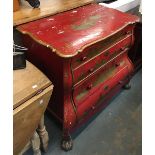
(123, 48)
(93, 107)
(106, 87)
(128, 32)
(91, 70)
(106, 53)
(83, 58)
(90, 86)
(120, 82)
(117, 64)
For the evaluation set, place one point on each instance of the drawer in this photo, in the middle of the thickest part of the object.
(87, 68)
(87, 87)
(94, 98)
(100, 46)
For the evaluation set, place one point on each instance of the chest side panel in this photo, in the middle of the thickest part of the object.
(52, 66)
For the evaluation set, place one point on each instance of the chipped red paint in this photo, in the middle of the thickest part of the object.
(69, 32)
(83, 82)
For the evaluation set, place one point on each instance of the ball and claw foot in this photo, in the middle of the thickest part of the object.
(67, 145)
(127, 86)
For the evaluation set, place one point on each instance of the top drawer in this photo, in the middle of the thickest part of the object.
(87, 68)
(100, 46)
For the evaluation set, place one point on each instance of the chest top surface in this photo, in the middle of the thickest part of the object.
(68, 33)
(27, 82)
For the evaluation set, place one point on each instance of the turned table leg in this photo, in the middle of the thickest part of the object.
(43, 134)
(35, 141)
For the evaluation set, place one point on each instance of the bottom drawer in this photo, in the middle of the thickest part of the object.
(99, 87)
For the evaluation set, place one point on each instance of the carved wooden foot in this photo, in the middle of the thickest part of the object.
(43, 134)
(35, 141)
(127, 86)
(67, 143)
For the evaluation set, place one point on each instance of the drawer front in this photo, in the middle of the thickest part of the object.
(100, 46)
(91, 85)
(93, 99)
(97, 61)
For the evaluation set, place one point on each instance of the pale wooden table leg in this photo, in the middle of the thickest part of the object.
(35, 141)
(28, 145)
(43, 134)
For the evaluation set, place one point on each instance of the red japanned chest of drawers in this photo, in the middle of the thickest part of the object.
(86, 51)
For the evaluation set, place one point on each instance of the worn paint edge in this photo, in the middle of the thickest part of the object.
(78, 51)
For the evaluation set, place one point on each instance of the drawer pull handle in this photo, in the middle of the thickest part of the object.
(106, 87)
(83, 58)
(123, 48)
(90, 86)
(93, 107)
(106, 53)
(120, 82)
(128, 32)
(117, 64)
(91, 70)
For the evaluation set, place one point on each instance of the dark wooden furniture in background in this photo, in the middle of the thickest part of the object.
(31, 94)
(135, 53)
(86, 49)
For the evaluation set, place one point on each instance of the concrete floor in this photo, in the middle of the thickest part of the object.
(115, 131)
